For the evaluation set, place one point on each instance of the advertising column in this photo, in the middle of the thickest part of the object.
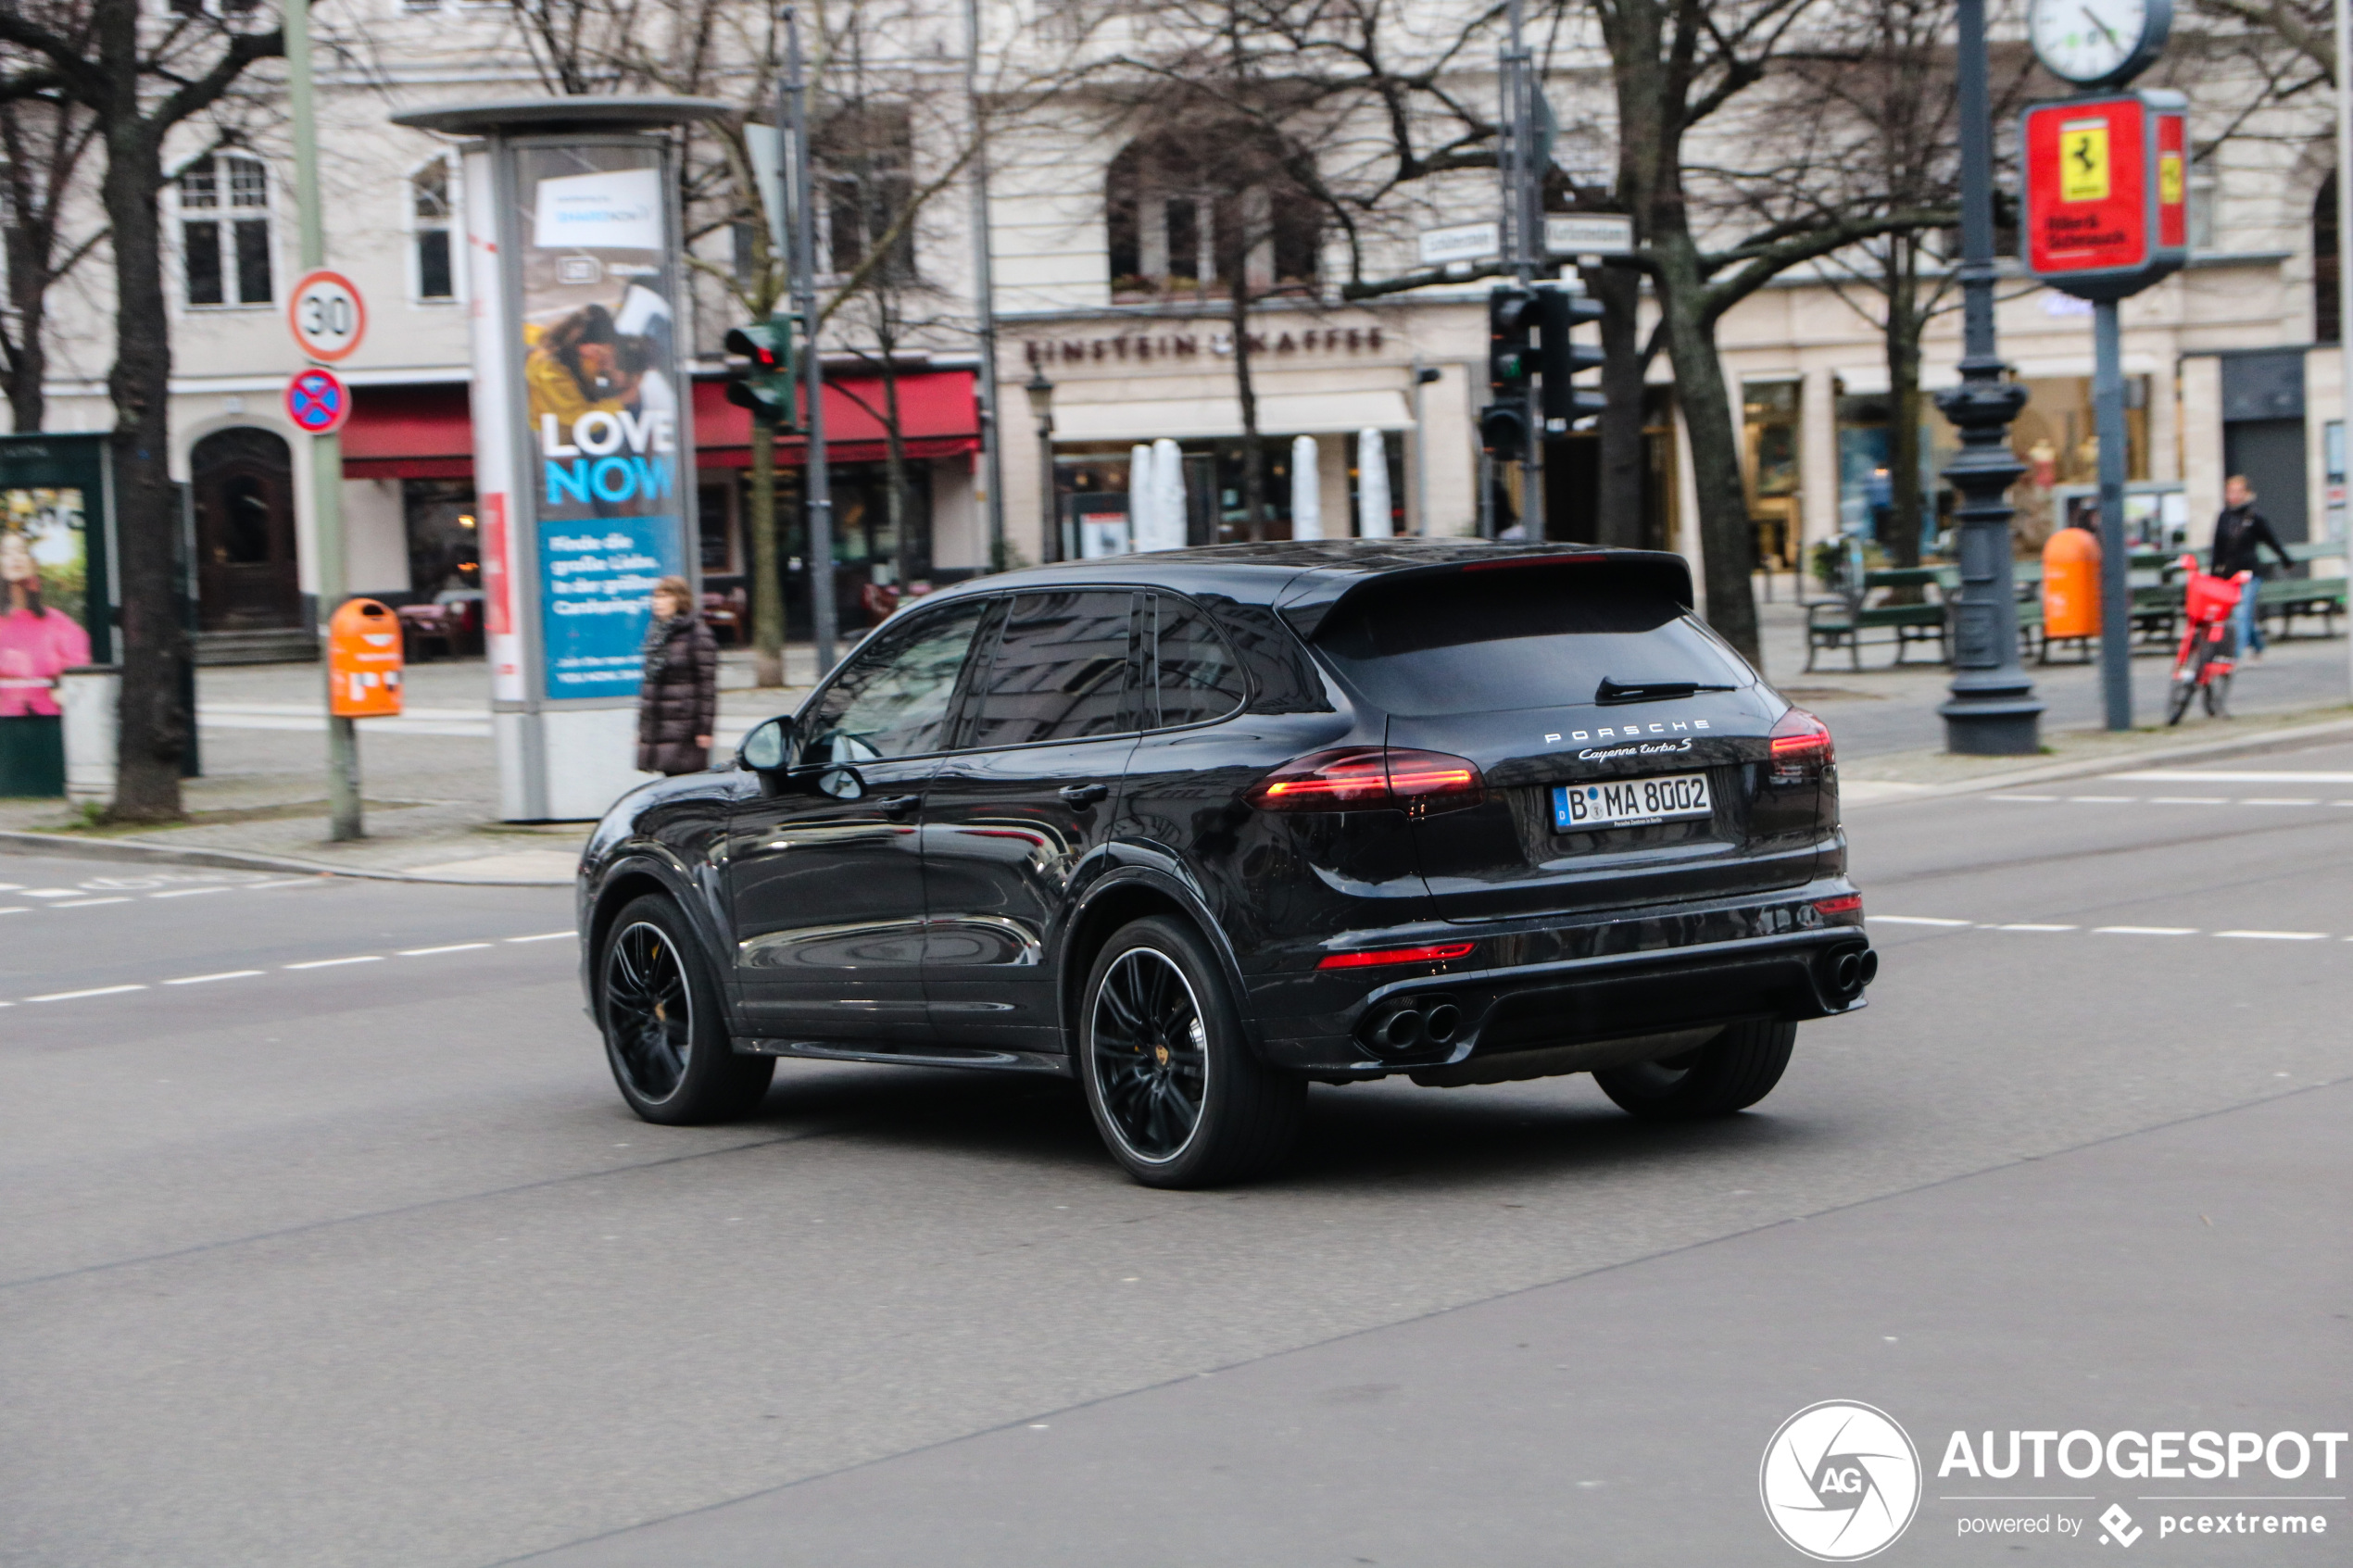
(583, 443)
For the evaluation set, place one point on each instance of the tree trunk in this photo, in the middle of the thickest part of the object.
(154, 728)
(1728, 540)
(1618, 290)
(28, 301)
(1902, 545)
(1253, 464)
(767, 579)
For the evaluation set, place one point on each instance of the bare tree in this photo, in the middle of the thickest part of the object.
(141, 77)
(44, 139)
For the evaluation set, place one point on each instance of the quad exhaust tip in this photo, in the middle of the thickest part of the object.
(1427, 1021)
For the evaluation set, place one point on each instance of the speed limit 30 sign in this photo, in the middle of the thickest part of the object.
(327, 316)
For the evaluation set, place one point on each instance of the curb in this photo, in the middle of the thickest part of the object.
(2288, 739)
(137, 852)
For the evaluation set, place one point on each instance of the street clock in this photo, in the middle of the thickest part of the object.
(2098, 43)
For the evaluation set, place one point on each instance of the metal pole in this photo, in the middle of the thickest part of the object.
(1523, 199)
(992, 427)
(326, 451)
(1993, 710)
(2344, 283)
(818, 487)
(1049, 536)
(2116, 559)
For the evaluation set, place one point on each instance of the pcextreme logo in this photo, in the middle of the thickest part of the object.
(1841, 1481)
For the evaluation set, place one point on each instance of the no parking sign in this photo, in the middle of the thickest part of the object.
(317, 401)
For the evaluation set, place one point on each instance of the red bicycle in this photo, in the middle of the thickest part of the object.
(2208, 651)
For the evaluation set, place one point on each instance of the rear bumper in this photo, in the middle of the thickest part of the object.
(1605, 981)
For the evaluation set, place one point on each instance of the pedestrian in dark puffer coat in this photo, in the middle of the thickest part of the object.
(678, 700)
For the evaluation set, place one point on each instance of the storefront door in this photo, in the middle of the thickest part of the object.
(247, 577)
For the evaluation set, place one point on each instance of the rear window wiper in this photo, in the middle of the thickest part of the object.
(1610, 692)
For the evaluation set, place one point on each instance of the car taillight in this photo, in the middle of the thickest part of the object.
(1800, 746)
(1356, 778)
(1441, 952)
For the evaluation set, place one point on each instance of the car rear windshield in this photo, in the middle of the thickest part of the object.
(1480, 642)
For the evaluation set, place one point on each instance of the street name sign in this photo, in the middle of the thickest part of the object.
(2107, 192)
(318, 402)
(1589, 233)
(1465, 242)
(327, 316)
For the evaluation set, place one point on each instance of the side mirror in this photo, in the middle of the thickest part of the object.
(767, 747)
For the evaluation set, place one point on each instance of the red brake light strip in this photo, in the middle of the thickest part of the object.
(1438, 953)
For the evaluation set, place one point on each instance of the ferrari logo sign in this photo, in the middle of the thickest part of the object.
(2083, 161)
(2103, 214)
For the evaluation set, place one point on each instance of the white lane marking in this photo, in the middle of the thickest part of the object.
(2203, 775)
(2189, 800)
(89, 903)
(77, 996)
(330, 963)
(2103, 800)
(2145, 931)
(2277, 935)
(544, 937)
(16, 909)
(10, 886)
(428, 952)
(53, 892)
(289, 881)
(2029, 925)
(1914, 920)
(190, 892)
(2043, 799)
(224, 975)
(2277, 800)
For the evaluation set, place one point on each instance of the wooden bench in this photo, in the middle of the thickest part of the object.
(1831, 623)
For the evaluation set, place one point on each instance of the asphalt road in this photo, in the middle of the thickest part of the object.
(327, 1242)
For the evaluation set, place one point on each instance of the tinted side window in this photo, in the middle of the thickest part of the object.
(1059, 670)
(892, 698)
(1197, 676)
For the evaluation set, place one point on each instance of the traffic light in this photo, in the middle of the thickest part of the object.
(1503, 430)
(766, 385)
(1511, 322)
(1557, 312)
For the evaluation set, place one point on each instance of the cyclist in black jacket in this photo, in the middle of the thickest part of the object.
(2239, 535)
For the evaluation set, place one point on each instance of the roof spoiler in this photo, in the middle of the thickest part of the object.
(1312, 599)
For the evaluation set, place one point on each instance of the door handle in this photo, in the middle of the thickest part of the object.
(1080, 797)
(898, 805)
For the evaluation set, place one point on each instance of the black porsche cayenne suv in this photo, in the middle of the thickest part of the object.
(1199, 827)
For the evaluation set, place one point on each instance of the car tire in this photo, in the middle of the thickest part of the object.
(677, 1072)
(1730, 1073)
(1169, 1077)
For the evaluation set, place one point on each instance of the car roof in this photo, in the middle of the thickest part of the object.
(1304, 579)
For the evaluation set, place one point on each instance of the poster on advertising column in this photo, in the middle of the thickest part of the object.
(602, 398)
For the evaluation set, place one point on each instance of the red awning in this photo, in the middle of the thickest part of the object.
(939, 417)
(426, 431)
(420, 431)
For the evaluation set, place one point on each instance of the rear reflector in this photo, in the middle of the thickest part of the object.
(1357, 778)
(1438, 954)
(1845, 904)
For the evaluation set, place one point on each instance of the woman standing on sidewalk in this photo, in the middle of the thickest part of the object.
(678, 698)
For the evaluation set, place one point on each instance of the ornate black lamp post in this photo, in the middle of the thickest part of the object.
(1993, 710)
(1041, 407)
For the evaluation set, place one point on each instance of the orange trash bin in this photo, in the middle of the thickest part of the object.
(363, 661)
(2071, 585)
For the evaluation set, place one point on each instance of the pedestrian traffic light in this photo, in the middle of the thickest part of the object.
(1511, 320)
(1557, 312)
(1503, 430)
(766, 385)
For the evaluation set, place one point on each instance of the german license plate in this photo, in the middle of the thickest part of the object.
(1629, 802)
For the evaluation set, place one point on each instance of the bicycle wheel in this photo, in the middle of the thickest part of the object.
(2217, 695)
(2177, 700)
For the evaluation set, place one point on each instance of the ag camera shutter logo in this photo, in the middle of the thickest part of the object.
(1841, 1481)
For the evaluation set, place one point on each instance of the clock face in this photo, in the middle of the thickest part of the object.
(2095, 41)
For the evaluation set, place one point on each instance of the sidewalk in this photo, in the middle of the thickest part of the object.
(431, 780)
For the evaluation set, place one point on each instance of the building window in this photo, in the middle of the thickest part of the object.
(1194, 210)
(224, 230)
(867, 154)
(2327, 323)
(428, 221)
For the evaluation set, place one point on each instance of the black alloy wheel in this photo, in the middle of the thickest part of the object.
(1730, 1073)
(1178, 1098)
(665, 1035)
